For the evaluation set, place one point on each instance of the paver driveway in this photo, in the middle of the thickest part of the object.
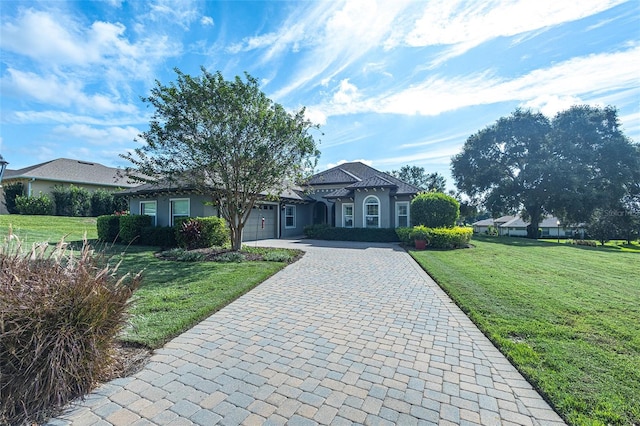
(351, 333)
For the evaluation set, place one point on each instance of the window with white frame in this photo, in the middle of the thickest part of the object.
(289, 216)
(402, 214)
(149, 208)
(371, 212)
(347, 215)
(178, 207)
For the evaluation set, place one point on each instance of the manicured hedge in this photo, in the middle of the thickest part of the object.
(326, 232)
(108, 227)
(441, 238)
(40, 205)
(131, 227)
(159, 236)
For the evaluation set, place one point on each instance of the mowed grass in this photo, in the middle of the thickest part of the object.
(173, 296)
(32, 229)
(568, 317)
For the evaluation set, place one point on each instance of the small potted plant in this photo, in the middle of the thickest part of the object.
(420, 235)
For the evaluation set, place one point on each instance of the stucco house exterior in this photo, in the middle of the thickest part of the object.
(43, 177)
(349, 195)
(515, 226)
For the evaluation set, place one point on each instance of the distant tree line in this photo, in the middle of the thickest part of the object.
(578, 166)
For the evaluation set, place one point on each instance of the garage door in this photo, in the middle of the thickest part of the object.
(255, 230)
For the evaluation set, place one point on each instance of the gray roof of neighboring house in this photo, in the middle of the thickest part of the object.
(73, 171)
(518, 222)
(484, 222)
(357, 175)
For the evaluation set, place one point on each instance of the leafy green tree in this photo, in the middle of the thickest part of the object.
(417, 176)
(595, 165)
(434, 210)
(225, 139)
(506, 166)
(601, 226)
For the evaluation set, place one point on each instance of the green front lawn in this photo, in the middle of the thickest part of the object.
(32, 229)
(568, 317)
(173, 296)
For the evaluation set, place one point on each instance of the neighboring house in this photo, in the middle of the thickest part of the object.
(349, 195)
(515, 226)
(42, 178)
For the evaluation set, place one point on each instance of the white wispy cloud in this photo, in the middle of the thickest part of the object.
(100, 136)
(206, 20)
(588, 78)
(464, 25)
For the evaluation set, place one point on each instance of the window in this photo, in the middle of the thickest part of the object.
(402, 214)
(371, 212)
(178, 207)
(149, 208)
(289, 216)
(347, 215)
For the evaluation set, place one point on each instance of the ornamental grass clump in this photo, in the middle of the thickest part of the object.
(60, 312)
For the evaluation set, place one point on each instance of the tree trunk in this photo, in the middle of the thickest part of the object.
(534, 223)
(236, 240)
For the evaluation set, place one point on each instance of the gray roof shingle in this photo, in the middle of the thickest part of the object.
(73, 171)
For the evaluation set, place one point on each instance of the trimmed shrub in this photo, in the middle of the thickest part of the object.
(404, 235)
(201, 232)
(159, 236)
(449, 238)
(72, 201)
(325, 232)
(108, 227)
(40, 205)
(60, 315)
(131, 227)
(435, 210)
(11, 191)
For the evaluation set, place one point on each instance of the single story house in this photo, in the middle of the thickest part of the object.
(482, 226)
(349, 195)
(42, 178)
(515, 226)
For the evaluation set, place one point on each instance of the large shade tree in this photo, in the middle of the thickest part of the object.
(506, 167)
(572, 166)
(223, 138)
(595, 165)
(417, 176)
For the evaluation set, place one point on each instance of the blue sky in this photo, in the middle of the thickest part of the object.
(390, 82)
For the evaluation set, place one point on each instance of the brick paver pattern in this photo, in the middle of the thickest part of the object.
(350, 334)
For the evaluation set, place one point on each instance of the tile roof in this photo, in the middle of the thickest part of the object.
(73, 171)
(359, 175)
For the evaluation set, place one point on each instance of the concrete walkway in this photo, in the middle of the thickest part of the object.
(350, 334)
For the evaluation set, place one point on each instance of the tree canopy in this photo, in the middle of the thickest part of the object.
(569, 166)
(506, 165)
(417, 176)
(223, 138)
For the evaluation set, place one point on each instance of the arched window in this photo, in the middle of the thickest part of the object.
(371, 212)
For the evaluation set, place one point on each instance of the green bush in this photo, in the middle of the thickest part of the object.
(108, 228)
(131, 227)
(40, 205)
(449, 238)
(59, 320)
(435, 210)
(404, 235)
(72, 201)
(201, 232)
(419, 233)
(11, 191)
(158, 236)
(325, 232)
(103, 203)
